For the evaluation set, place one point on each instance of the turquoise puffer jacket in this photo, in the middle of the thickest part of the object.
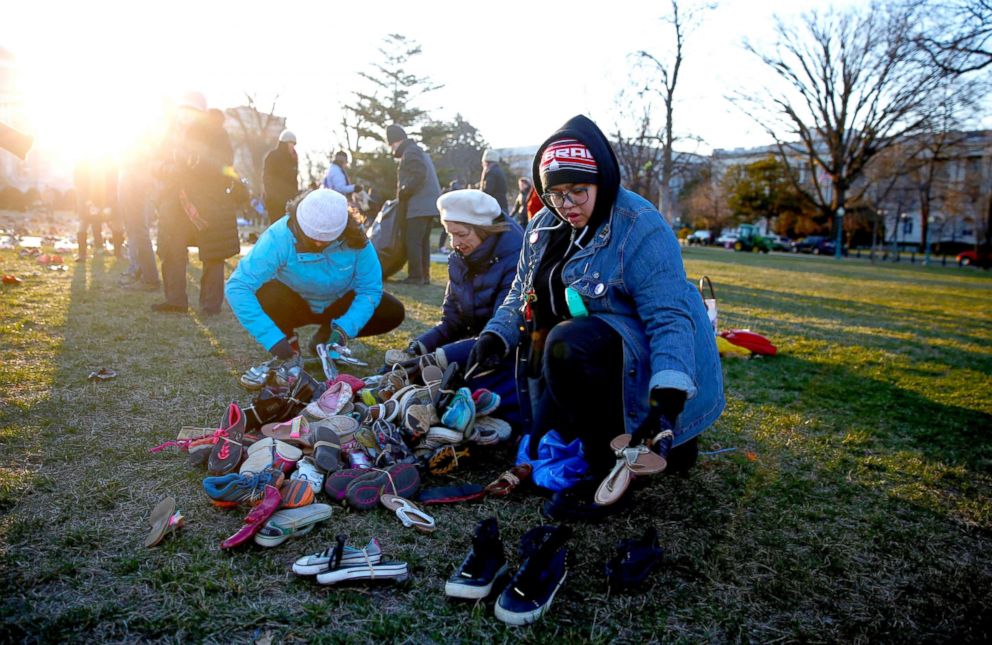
(320, 278)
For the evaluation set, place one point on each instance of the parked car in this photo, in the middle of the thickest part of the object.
(780, 242)
(981, 258)
(727, 240)
(702, 237)
(815, 244)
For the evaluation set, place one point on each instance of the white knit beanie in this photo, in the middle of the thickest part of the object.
(468, 206)
(322, 215)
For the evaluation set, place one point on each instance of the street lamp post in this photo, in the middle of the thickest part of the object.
(838, 251)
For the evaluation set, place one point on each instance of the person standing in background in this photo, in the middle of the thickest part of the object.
(135, 189)
(337, 177)
(493, 181)
(195, 208)
(417, 189)
(519, 214)
(280, 176)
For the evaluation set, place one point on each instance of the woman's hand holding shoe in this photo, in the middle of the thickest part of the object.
(488, 351)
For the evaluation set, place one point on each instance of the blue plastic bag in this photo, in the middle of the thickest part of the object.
(558, 466)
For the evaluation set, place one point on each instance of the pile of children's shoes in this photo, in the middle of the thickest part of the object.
(348, 440)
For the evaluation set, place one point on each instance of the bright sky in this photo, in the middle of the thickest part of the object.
(95, 71)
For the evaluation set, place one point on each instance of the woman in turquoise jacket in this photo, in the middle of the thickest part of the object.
(312, 266)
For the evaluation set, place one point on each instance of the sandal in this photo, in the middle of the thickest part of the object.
(164, 519)
(409, 513)
(508, 481)
(295, 432)
(102, 374)
(445, 460)
(631, 461)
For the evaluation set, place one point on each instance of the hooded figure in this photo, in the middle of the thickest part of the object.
(610, 336)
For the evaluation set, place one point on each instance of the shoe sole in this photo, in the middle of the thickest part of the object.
(346, 561)
(383, 571)
(528, 617)
(469, 592)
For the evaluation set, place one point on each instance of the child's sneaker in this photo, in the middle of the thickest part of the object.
(483, 565)
(529, 594)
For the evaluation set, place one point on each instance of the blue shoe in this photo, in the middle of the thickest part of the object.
(460, 415)
(235, 488)
(529, 594)
(483, 565)
(486, 402)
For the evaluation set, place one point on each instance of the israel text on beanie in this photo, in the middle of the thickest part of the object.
(567, 161)
(394, 134)
(322, 215)
(468, 206)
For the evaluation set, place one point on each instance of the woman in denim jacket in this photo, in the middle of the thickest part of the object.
(609, 334)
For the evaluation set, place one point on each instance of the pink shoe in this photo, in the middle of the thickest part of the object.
(256, 518)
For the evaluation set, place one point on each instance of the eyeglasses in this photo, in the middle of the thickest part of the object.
(578, 197)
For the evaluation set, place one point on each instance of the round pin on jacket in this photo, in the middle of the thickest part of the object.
(533, 237)
(600, 288)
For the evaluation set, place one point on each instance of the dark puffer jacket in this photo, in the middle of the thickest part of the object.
(477, 285)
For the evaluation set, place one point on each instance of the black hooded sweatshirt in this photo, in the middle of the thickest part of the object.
(549, 306)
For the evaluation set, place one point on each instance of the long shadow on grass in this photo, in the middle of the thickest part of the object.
(849, 269)
(925, 327)
(845, 402)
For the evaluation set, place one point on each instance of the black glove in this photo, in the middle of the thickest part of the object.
(488, 351)
(359, 188)
(667, 404)
(415, 348)
(282, 350)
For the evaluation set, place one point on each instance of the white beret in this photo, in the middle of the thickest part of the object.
(468, 206)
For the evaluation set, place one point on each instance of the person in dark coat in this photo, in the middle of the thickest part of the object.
(195, 209)
(519, 214)
(485, 247)
(279, 176)
(417, 189)
(493, 181)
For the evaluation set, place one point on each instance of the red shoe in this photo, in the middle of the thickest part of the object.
(11, 279)
(256, 518)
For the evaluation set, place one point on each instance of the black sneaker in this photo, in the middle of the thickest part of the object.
(634, 562)
(483, 565)
(529, 594)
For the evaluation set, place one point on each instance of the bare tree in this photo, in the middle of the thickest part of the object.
(639, 146)
(959, 35)
(852, 83)
(682, 24)
(705, 201)
(253, 134)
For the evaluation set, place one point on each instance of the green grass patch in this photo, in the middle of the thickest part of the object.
(853, 506)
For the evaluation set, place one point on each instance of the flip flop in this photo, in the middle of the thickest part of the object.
(296, 431)
(409, 513)
(631, 462)
(164, 519)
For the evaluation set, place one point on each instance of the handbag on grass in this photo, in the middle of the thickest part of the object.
(709, 302)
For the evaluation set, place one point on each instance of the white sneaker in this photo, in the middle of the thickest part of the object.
(307, 471)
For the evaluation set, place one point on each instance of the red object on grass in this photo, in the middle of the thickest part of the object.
(11, 279)
(750, 341)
